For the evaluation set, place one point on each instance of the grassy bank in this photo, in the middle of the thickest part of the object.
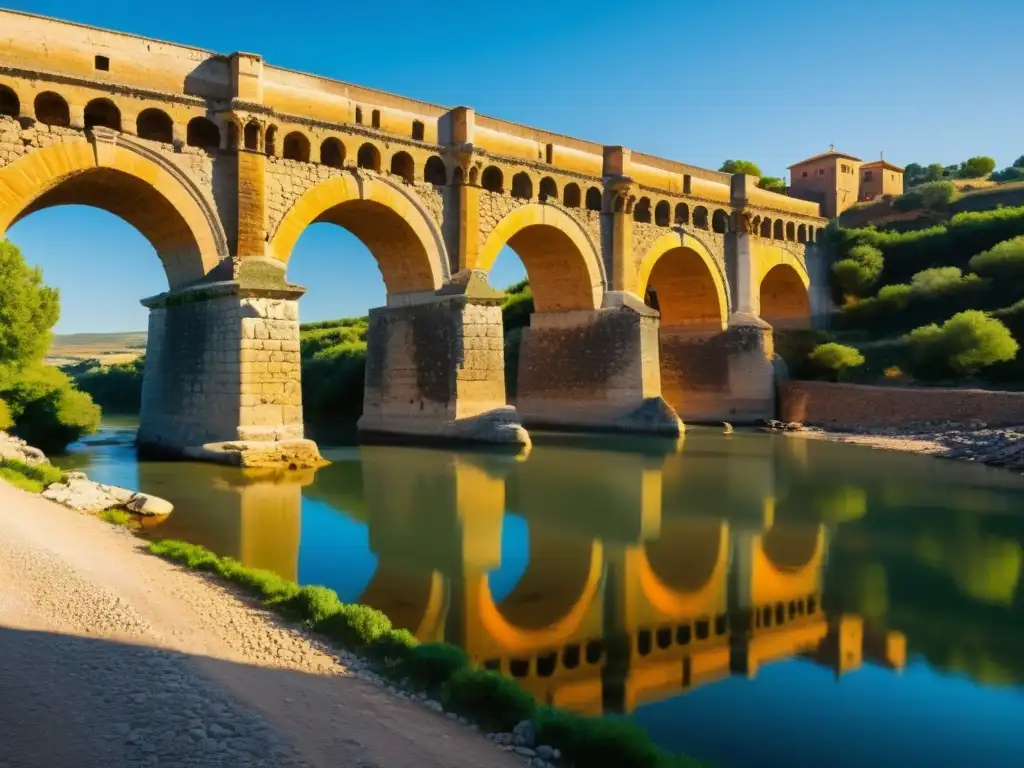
(493, 702)
(29, 477)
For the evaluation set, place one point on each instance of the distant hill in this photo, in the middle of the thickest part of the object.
(107, 348)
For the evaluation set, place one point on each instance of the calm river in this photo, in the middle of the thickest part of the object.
(749, 599)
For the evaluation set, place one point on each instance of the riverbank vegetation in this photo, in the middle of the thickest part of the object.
(443, 671)
(942, 304)
(29, 477)
(38, 402)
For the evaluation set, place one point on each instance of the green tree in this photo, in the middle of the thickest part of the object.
(741, 166)
(28, 310)
(913, 175)
(772, 184)
(857, 273)
(1019, 162)
(934, 172)
(930, 196)
(976, 167)
(961, 346)
(834, 359)
(1010, 173)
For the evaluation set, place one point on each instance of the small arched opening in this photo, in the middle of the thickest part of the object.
(417, 130)
(252, 136)
(402, 165)
(9, 103)
(784, 299)
(663, 214)
(801, 233)
(202, 133)
(522, 186)
(492, 179)
(102, 113)
(270, 141)
(359, 115)
(548, 189)
(368, 157)
(571, 196)
(155, 125)
(766, 227)
(790, 231)
(332, 153)
(593, 199)
(779, 230)
(642, 210)
(375, 118)
(296, 147)
(51, 109)
(434, 171)
(700, 217)
(720, 221)
(682, 213)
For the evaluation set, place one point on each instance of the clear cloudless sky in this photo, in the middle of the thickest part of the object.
(774, 82)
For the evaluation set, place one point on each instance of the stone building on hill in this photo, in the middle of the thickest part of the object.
(836, 181)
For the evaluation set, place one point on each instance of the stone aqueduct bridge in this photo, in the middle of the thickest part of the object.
(221, 162)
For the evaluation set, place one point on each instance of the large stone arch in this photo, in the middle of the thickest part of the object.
(784, 290)
(562, 261)
(389, 221)
(129, 180)
(693, 290)
(517, 639)
(682, 571)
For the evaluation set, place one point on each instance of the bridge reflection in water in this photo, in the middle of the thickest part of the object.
(648, 568)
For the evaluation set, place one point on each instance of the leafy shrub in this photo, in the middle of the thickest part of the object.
(1012, 173)
(495, 702)
(115, 517)
(28, 310)
(312, 605)
(393, 649)
(860, 269)
(962, 345)
(601, 742)
(835, 358)
(976, 167)
(1002, 261)
(794, 346)
(430, 664)
(930, 196)
(265, 584)
(29, 477)
(47, 411)
(355, 626)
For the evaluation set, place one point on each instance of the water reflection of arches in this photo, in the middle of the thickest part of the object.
(413, 600)
(679, 569)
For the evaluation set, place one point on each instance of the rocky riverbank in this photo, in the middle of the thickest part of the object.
(971, 441)
(76, 491)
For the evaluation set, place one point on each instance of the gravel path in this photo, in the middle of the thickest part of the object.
(112, 657)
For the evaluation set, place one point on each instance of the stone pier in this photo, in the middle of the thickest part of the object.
(713, 376)
(435, 370)
(594, 370)
(222, 377)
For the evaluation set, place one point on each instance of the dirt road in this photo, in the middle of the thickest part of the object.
(112, 657)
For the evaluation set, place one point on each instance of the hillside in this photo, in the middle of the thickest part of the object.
(897, 291)
(107, 348)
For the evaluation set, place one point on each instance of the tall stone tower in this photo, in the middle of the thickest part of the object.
(831, 179)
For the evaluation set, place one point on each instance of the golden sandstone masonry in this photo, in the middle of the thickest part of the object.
(656, 284)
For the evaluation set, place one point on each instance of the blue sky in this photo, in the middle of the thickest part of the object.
(923, 81)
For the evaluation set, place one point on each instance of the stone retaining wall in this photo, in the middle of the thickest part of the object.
(850, 406)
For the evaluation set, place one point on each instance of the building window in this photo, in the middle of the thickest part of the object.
(103, 63)
(867, 176)
(821, 171)
(417, 130)
(805, 174)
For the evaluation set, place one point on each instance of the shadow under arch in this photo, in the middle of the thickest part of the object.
(561, 260)
(785, 296)
(679, 570)
(522, 623)
(132, 182)
(691, 289)
(392, 225)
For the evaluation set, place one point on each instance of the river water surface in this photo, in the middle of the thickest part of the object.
(749, 599)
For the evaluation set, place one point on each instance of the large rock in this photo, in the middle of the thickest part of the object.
(15, 448)
(84, 495)
(286, 454)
